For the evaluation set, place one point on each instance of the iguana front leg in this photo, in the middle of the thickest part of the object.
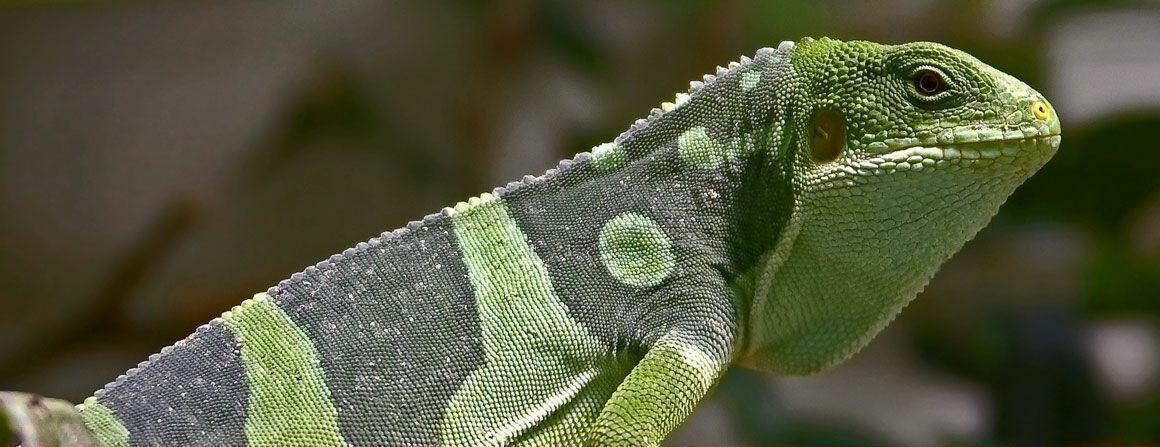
(677, 371)
(658, 394)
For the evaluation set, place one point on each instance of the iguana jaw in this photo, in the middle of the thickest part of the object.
(977, 152)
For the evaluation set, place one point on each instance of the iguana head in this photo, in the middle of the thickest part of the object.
(900, 155)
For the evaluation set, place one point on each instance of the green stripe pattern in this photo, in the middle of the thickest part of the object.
(537, 359)
(289, 402)
(105, 425)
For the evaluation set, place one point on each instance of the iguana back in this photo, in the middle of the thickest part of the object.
(377, 345)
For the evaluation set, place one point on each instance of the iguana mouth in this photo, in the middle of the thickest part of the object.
(991, 149)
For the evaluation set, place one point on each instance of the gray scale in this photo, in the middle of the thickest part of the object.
(388, 317)
(196, 393)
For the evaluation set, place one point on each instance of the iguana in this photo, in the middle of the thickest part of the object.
(775, 217)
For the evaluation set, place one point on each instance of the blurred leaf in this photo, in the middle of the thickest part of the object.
(33, 421)
(1121, 282)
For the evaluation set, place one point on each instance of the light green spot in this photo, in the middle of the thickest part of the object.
(105, 425)
(636, 251)
(289, 402)
(696, 148)
(749, 80)
(608, 156)
(537, 359)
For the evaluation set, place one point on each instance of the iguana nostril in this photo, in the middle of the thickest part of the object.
(1040, 110)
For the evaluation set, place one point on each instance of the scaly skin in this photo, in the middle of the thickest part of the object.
(918, 178)
(776, 217)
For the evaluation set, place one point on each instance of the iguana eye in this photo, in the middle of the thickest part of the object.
(928, 82)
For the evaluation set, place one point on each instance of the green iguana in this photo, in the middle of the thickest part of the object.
(775, 217)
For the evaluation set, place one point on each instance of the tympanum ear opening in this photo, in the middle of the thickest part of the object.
(828, 137)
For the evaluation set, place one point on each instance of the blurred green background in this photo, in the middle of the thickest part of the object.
(161, 161)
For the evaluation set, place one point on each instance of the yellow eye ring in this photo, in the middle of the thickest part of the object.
(1040, 110)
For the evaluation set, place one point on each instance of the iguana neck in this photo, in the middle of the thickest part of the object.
(712, 169)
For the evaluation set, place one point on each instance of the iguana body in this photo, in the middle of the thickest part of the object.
(775, 217)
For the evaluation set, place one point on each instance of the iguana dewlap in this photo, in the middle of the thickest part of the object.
(776, 217)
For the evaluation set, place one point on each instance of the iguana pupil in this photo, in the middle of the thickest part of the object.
(928, 83)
